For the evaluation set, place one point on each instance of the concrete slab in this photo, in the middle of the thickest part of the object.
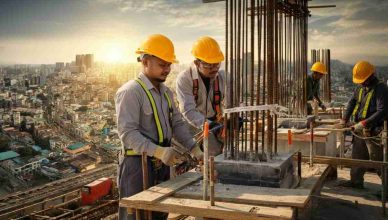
(278, 172)
(324, 141)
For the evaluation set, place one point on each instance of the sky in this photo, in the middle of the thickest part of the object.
(49, 31)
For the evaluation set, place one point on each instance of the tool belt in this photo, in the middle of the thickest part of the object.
(156, 163)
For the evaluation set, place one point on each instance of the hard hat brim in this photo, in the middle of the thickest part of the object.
(214, 60)
(172, 60)
(359, 81)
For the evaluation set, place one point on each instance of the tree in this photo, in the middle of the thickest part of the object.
(4, 143)
(27, 151)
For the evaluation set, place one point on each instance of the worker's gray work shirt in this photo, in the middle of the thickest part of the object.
(195, 112)
(135, 118)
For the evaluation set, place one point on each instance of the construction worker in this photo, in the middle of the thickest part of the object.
(366, 112)
(147, 119)
(200, 89)
(318, 71)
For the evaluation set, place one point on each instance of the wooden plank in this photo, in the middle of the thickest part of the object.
(221, 210)
(165, 189)
(336, 161)
(253, 195)
(175, 216)
(316, 177)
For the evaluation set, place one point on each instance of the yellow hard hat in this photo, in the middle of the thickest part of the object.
(362, 71)
(208, 50)
(319, 67)
(160, 46)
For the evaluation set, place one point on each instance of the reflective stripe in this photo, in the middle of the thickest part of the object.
(365, 110)
(365, 107)
(170, 110)
(358, 103)
(155, 110)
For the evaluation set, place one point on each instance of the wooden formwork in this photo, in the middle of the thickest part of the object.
(183, 195)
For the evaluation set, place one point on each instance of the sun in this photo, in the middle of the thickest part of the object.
(115, 55)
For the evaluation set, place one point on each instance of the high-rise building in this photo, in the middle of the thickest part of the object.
(59, 66)
(84, 62)
(79, 60)
(89, 61)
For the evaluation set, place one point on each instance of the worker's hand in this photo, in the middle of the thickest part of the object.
(359, 126)
(168, 156)
(196, 152)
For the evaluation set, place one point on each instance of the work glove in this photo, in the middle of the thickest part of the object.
(168, 156)
(358, 128)
(196, 152)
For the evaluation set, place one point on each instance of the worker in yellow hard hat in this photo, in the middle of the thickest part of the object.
(366, 112)
(201, 89)
(147, 119)
(318, 71)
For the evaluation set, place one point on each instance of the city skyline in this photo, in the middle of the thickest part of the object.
(37, 32)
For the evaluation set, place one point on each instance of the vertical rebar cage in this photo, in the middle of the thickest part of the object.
(266, 63)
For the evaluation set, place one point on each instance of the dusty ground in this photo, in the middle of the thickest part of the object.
(338, 202)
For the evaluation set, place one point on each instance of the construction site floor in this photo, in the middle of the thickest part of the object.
(337, 202)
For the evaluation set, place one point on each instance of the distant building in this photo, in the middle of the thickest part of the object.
(11, 161)
(7, 155)
(83, 62)
(59, 66)
(85, 162)
(77, 148)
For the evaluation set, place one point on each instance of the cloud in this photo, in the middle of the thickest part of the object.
(188, 13)
(353, 30)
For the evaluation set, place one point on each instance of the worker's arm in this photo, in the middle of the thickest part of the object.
(381, 107)
(180, 128)
(350, 107)
(186, 100)
(128, 109)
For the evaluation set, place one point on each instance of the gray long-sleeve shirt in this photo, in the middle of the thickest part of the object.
(195, 112)
(135, 120)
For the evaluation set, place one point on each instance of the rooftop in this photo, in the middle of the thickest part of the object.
(75, 146)
(8, 155)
